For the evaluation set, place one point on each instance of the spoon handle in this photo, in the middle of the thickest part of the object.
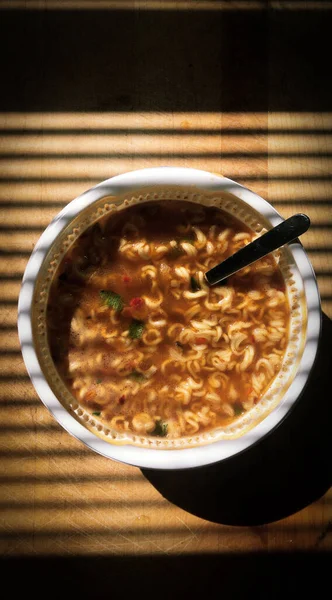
(282, 234)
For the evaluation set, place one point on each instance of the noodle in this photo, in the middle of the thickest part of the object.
(144, 343)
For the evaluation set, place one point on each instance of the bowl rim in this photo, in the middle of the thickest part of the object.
(165, 459)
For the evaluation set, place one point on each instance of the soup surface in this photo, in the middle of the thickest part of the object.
(140, 339)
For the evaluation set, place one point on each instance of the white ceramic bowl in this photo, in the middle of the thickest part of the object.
(154, 457)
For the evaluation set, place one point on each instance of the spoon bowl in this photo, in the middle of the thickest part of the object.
(278, 236)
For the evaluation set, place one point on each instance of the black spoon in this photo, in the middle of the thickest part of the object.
(282, 234)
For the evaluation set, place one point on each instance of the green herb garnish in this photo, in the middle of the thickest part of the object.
(136, 328)
(195, 287)
(238, 410)
(99, 380)
(137, 376)
(97, 413)
(112, 300)
(160, 429)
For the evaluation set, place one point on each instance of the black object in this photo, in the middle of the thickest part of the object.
(280, 235)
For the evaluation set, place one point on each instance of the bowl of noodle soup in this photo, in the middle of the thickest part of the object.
(130, 349)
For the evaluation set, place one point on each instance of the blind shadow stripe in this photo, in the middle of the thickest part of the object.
(167, 132)
(162, 155)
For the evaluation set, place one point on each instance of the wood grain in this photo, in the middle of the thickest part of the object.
(57, 497)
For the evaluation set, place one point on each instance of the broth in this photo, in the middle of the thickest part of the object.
(144, 343)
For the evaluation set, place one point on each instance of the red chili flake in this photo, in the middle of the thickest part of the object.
(201, 340)
(136, 302)
(256, 400)
(126, 279)
(122, 400)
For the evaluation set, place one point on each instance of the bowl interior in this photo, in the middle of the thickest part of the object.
(71, 227)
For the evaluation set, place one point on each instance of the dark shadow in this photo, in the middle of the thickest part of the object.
(14, 402)
(162, 156)
(285, 472)
(235, 576)
(165, 60)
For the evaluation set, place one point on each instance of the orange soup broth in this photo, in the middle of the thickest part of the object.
(95, 265)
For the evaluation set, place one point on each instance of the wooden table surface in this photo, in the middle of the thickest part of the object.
(96, 89)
